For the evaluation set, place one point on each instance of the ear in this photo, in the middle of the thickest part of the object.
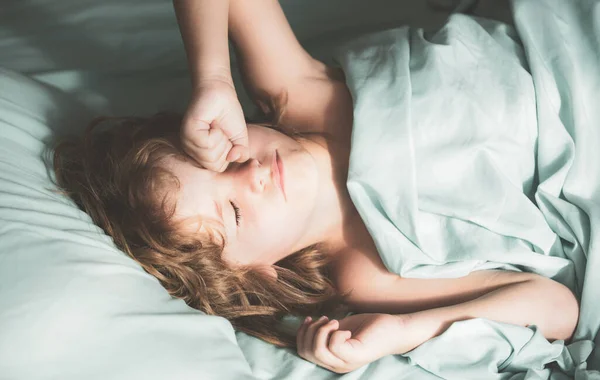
(269, 270)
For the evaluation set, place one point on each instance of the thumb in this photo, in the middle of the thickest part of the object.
(340, 344)
(234, 127)
(238, 153)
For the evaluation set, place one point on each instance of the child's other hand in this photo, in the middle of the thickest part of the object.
(345, 345)
(214, 131)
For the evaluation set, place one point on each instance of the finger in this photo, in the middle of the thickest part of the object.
(211, 158)
(197, 133)
(196, 123)
(351, 350)
(208, 159)
(300, 335)
(240, 142)
(238, 153)
(321, 351)
(215, 155)
(216, 137)
(235, 128)
(221, 164)
(202, 137)
(242, 147)
(337, 342)
(311, 330)
(196, 143)
(322, 335)
(240, 138)
(244, 154)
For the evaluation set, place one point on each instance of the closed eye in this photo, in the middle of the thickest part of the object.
(236, 210)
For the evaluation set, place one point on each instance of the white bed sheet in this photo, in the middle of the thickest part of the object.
(126, 57)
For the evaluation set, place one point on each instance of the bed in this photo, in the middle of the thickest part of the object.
(72, 306)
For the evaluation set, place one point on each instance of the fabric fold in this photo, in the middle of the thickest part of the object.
(475, 147)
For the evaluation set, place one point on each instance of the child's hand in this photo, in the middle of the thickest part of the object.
(214, 130)
(345, 345)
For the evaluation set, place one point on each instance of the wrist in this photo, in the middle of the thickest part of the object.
(405, 335)
(209, 76)
(423, 325)
(416, 329)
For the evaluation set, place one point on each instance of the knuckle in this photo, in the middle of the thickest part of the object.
(212, 156)
(211, 139)
(209, 167)
(207, 161)
(216, 132)
(223, 166)
(195, 138)
(212, 142)
(196, 142)
(223, 156)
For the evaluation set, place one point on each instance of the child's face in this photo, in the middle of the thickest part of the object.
(270, 222)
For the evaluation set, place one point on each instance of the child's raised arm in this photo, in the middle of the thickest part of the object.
(213, 130)
(203, 25)
(274, 64)
(271, 57)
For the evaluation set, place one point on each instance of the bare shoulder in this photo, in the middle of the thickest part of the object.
(359, 270)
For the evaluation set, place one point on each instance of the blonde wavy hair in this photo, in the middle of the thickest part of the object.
(113, 173)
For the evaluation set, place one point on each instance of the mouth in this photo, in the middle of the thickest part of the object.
(278, 173)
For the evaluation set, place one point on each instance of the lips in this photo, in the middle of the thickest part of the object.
(277, 168)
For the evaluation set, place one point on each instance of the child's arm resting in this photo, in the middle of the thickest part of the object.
(351, 342)
(539, 301)
(505, 296)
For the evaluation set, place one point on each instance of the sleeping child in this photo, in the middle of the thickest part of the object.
(321, 210)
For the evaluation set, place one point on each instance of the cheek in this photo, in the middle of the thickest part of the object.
(264, 140)
(273, 220)
(303, 183)
(260, 139)
(276, 228)
(288, 224)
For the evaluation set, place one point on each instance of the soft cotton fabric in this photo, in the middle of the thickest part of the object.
(73, 306)
(475, 148)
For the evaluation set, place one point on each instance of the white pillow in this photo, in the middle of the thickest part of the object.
(72, 306)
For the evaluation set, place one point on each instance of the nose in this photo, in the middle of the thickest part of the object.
(259, 175)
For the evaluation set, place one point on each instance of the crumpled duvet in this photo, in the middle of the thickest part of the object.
(476, 147)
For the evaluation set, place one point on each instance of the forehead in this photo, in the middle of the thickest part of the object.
(196, 194)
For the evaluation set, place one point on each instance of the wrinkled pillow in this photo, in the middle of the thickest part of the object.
(73, 306)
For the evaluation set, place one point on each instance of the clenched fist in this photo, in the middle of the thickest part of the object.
(214, 131)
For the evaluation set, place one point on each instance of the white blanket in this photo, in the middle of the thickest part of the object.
(476, 148)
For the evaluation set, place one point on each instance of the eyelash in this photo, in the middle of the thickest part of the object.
(238, 214)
